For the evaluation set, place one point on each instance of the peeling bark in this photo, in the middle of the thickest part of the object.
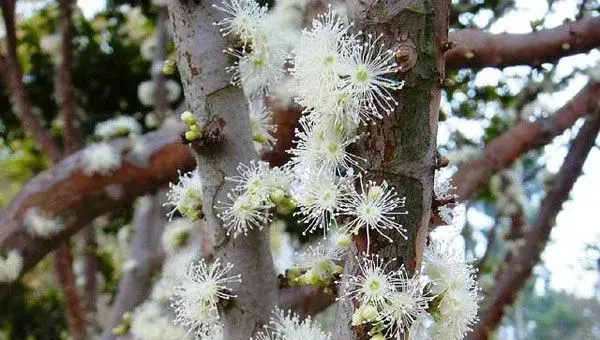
(212, 99)
(401, 147)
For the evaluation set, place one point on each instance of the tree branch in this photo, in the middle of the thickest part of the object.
(212, 99)
(66, 192)
(523, 137)
(12, 76)
(477, 49)
(148, 221)
(514, 274)
(63, 267)
(401, 147)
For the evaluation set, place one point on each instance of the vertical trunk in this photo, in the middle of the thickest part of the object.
(218, 105)
(401, 148)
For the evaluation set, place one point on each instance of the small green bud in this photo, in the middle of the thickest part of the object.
(259, 139)
(278, 197)
(368, 313)
(196, 128)
(344, 240)
(312, 278)
(377, 336)
(169, 66)
(127, 318)
(188, 118)
(293, 273)
(121, 329)
(192, 135)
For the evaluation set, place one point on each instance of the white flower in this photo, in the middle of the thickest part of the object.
(171, 273)
(458, 312)
(364, 73)
(244, 212)
(244, 17)
(148, 47)
(176, 234)
(100, 158)
(262, 126)
(442, 183)
(320, 261)
(375, 207)
(118, 126)
(10, 266)
(375, 284)
(258, 71)
(288, 326)
(454, 283)
(39, 224)
(146, 91)
(320, 198)
(186, 196)
(195, 298)
(324, 146)
(282, 249)
(253, 179)
(149, 322)
(405, 306)
(173, 90)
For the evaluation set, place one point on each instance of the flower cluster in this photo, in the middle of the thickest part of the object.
(186, 196)
(258, 188)
(39, 224)
(118, 126)
(195, 298)
(319, 265)
(389, 299)
(10, 266)
(100, 158)
(289, 326)
(454, 285)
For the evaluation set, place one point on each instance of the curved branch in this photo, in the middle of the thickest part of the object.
(523, 137)
(66, 192)
(476, 48)
(515, 273)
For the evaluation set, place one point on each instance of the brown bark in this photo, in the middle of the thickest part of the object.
(12, 75)
(66, 192)
(401, 148)
(63, 267)
(514, 274)
(519, 139)
(477, 49)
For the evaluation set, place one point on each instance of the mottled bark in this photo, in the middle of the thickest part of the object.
(514, 273)
(213, 100)
(401, 147)
(66, 192)
(145, 250)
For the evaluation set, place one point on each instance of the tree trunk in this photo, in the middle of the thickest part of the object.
(223, 109)
(401, 148)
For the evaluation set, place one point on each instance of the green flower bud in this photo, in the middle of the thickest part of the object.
(259, 139)
(192, 135)
(344, 240)
(368, 313)
(278, 197)
(188, 118)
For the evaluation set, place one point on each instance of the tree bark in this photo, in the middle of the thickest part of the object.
(135, 286)
(476, 48)
(401, 147)
(525, 136)
(66, 192)
(513, 274)
(215, 102)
